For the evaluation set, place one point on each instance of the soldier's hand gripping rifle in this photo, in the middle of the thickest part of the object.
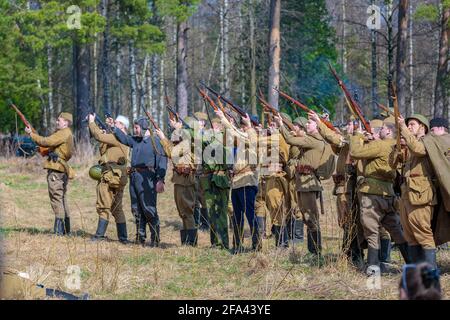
(211, 103)
(228, 102)
(355, 108)
(303, 107)
(275, 112)
(43, 151)
(174, 116)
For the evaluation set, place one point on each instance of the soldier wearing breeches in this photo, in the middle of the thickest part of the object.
(147, 173)
(179, 149)
(61, 146)
(376, 193)
(114, 157)
(308, 184)
(418, 192)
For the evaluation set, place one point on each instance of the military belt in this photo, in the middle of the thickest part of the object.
(183, 170)
(305, 169)
(141, 169)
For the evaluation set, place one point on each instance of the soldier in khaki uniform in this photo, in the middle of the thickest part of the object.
(179, 150)
(418, 191)
(276, 186)
(295, 224)
(376, 193)
(200, 210)
(345, 191)
(113, 159)
(60, 145)
(308, 183)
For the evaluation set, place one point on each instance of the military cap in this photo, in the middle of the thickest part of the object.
(201, 115)
(285, 116)
(384, 114)
(190, 121)
(143, 123)
(439, 122)
(301, 121)
(66, 116)
(422, 119)
(389, 120)
(376, 123)
(216, 120)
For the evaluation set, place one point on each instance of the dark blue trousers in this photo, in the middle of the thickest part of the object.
(143, 203)
(243, 200)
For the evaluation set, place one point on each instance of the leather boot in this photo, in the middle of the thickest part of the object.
(58, 227)
(416, 254)
(154, 235)
(192, 237)
(373, 261)
(183, 237)
(281, 236)
(141, 231)
(298, 233)
(122, 233)
(258, 233)
(204, 221)
(101, 230)
(404, 250)
(315, 242)
(385, 250)
(67, 225)
(238, 234)
(430, 257)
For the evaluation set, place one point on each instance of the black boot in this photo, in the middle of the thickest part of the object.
(298, 233)
(192, 237)
(141, 230)
(238, 234)
(67, 225)
(315, 242)
(281, 236)
(122, 233)
(373, 261)
(58, 227)
(101, 230)
(258, 233)
(385, 250)
(204, 221)
(430, 257)
(197, 216)
(417, 254)
(404, 250)
(183, 237)
(154, 235)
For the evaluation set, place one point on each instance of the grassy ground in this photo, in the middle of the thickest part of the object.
(110, 270)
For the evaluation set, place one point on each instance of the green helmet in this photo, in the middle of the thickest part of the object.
(301, 121)
(190, 121)
(95, 172)
(422, 119)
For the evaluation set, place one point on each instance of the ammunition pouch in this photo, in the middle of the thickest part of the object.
(114, 175)
(420, 190)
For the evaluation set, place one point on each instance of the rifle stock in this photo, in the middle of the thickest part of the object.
(352, 103)
(272, 110)
(43, 151)
(234, 106)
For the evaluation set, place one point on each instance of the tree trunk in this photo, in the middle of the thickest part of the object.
(390, 46)
(441, 96)
(143, 92)
(252, 58)
(133, 84)
(118, 109)
(374, 72)
(154, 86)
(182, 95)
(161, 121)
(411, 60)
(105, 61)
(402, 39)
(83, 90)
(51, 110)
(274, 52)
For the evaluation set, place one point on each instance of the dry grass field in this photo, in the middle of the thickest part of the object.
(110, 270)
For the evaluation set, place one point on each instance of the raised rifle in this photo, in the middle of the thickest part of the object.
(177, 116)
(303, 107)
(385, 109)
(234, 106)
(43, 151)
(275, 112)
(396, 116)
(356, 109)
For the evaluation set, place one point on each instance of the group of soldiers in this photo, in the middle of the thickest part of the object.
(275, 178)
